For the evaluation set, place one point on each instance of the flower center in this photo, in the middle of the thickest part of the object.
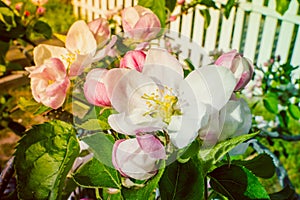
(69, 58)
(162, 104)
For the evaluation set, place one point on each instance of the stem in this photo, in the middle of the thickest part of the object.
(6, 175)
(98, 197)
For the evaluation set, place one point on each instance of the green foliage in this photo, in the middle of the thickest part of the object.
(158, 7)
(42, 28)
(286, 193)
(170, 4)
(95, 125)
(182, 181)
(206, 15)
(210, 156)
(103, 152)
(282, 6)
(43, 159)
(229, 5)
(95, 174)
(261, 166)
(271, 102)
(237, 182)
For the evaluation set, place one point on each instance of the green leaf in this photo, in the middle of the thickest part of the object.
(283, 118)
(205, 13)
(208, 3)
(94, 125)
(211, 155)
(158, 7)
(43, 158)
(43, 28)
(262, 165)
(285, 194)
(229, 5)
(282, 6)
(182, 181)
(95, 174)
(190, 151)
(144, 192)
(271, 102)
(237, 182)
(30, 105)
(170, 4)
(294, 111)
(101, 145)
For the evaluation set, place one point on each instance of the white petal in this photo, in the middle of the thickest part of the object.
(212, 85)
(43, 52)
(80, 39)
(126, 87)
(157, 57)
(124, 124)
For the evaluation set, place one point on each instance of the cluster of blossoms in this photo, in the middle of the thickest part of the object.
(157, 108)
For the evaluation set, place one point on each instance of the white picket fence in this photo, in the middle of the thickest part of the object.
(254, 29)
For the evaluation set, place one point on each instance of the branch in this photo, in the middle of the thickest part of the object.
(276, 135)
(6, 175)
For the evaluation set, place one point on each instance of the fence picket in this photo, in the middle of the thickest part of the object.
(226, 31)
(243, 30)
(286, 33)
(252, 32)
(268, 36)
(212, 30)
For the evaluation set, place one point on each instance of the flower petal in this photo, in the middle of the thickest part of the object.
(151, 145)
(80, 39)
(43, 52)
(212, 85)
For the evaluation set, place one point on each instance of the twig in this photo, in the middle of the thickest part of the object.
(277, 135)
(6, 175)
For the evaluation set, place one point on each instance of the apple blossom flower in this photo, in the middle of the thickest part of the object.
(232, 120)
(94, 89)
(49, 83)
(140, 23)
(241, 67)
(159, 98)
(80, 51)
(133, 60)
(100, 29)
(137, 157)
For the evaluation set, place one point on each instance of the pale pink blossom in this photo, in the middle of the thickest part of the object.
(101, 30)
(41, 10)
(79, 53)
(140, 23)
(39, 2)
(19, 6)
(137, 157)
(180, 2)
(160, 98)
(172, 18)
(241, 67)
(133, 60)
(94, 89)
(49, 83)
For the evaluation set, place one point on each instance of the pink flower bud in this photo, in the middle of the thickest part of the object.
(100, 29)
(241, 67)
(172, 18)
(49, 83)
(40, 10)
(133, 60)
(137, 157)
(94, 89)
(180, 2)
(19, 6)
(140, 23)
